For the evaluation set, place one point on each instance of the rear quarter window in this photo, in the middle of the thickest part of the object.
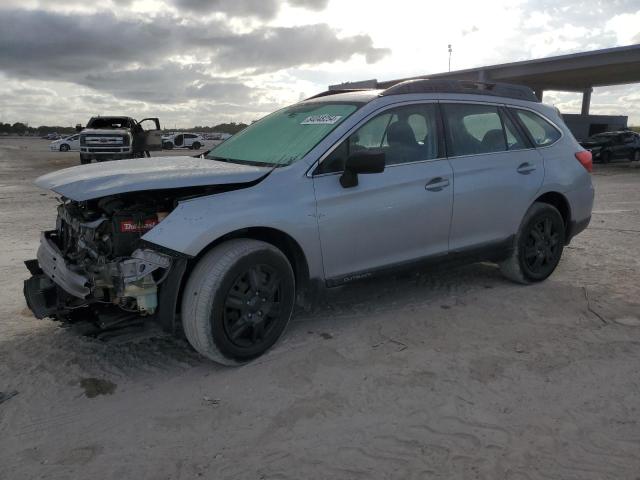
(541, 132)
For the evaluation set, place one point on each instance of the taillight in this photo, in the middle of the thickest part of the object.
(586, 159)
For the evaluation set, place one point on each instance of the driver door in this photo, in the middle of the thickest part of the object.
(389, 218)
(152, 136)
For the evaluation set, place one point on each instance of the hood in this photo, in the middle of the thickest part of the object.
(87, 182)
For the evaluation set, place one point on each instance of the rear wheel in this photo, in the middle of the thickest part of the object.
(605, 157)
(238, 301)
(636, 156)
(196, 145)
(538, 245)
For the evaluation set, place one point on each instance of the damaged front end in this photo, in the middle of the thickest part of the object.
(95, 266)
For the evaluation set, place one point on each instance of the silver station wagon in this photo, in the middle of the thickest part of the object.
(341, 187)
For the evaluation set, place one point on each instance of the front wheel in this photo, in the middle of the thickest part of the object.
(238, 301)
(64, 147)
(84, 159)
(636, 156)
(196, 146)
(538, 245)
(167, 146)
(605, 157)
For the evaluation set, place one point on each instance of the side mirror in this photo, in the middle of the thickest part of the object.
(361, 162)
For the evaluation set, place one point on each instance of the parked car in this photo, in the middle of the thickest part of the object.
(192, 141)
(607, 146)
(348, 186)
(71, 143)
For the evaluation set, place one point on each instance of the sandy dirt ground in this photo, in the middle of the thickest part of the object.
(448, 374)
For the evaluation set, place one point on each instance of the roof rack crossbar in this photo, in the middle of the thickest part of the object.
(426, 85)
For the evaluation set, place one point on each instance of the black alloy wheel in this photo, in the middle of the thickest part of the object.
(542, 245)
(252, 307)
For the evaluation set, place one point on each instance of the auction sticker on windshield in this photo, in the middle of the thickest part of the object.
(321, 120)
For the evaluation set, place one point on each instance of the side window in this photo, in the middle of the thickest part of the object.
(473, 129)
(405, 134)
(515, 140)
(541, 132)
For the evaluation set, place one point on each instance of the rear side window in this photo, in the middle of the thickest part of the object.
(473, 129)
(542, 133)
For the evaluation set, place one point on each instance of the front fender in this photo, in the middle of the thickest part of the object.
(288, 206)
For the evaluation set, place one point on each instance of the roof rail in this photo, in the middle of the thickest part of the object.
(337, 91)
(508, 90)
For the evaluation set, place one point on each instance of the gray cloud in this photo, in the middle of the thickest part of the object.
(168, 83)
(586, 13)
(242, 8)
(79, 48)
(274, 48)
(264, 9)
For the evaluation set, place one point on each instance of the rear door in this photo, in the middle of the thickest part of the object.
(151, 134)
(389, 218)
(496, 171)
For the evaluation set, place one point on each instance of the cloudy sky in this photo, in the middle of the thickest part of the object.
(202, 62)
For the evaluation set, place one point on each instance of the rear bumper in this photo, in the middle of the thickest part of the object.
(576, 227)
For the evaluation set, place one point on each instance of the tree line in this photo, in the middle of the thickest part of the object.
(19, 128)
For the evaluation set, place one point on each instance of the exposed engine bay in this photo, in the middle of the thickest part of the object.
(95, 257)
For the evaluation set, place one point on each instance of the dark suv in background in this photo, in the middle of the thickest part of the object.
(607, 146)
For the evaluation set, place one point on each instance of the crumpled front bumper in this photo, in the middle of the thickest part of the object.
(54, 266)
(50, 274)
(40, 292)
(56, 288)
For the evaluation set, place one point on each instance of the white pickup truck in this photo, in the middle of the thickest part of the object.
(116, 138)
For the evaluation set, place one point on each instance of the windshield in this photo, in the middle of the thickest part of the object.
(285, 136)
(108, 122)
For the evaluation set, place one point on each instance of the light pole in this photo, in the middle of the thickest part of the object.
(450, 51)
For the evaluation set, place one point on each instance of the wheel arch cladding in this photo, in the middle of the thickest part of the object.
(561, 203)
(279, 239)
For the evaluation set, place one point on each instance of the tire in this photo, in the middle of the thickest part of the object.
(196, 146)
(167, 146)
(84, 159)
(64, 147)
(224, 316)
(605, 157)
(537, 250)
(635, 157)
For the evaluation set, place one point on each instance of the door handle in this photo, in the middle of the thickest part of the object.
(526, 168)
(437, 184)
